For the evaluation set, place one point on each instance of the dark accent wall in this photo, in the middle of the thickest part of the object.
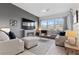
(9, 11)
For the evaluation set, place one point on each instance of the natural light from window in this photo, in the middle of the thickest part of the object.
(56, 24)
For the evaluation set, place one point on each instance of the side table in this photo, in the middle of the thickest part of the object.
(72, 48)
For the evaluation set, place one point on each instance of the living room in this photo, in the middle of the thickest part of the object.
(38, 33)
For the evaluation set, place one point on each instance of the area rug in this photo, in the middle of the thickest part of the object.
(43, 47)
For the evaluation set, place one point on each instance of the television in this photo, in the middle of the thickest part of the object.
(28, 24)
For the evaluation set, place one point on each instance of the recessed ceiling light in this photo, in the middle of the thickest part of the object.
(46, 10)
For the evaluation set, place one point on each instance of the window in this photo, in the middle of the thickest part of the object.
(51, 24)
(59, 23)
(44, 23)
(56, 23)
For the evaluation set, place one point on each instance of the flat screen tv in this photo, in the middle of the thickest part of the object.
(28, 24)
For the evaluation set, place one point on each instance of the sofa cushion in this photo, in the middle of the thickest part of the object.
(12, 35)
(3, 36)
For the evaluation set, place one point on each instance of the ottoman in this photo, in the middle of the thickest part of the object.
(30, 42)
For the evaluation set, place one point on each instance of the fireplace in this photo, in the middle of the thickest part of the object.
(44, 32)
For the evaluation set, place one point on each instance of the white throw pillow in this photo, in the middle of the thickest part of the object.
(3, 36)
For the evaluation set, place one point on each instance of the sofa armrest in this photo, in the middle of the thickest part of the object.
(9, 47)
(21, 42)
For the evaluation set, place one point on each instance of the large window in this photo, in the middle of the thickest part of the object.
(59, 23)
(56, 23)
(43, 24)
(51, 23)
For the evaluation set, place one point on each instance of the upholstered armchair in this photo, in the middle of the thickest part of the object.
(60, 39)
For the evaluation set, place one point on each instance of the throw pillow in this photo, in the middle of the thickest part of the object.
(12, 35)
(62, 33)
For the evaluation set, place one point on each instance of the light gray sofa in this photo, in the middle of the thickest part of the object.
(10, 47)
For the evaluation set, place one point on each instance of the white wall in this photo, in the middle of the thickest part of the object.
(76, 29)
(76, 26)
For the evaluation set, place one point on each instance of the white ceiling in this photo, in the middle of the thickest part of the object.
(54, 8)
